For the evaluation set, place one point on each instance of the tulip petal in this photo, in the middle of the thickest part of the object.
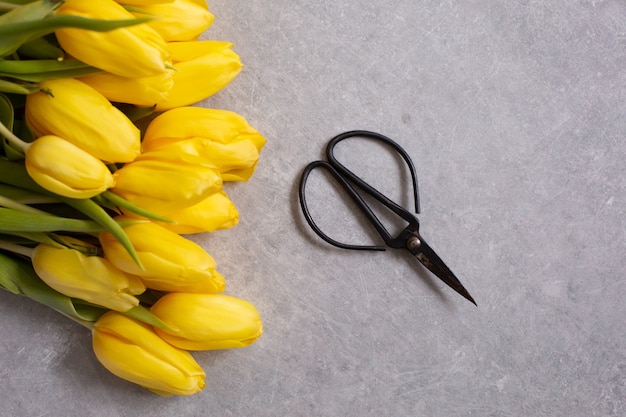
(133, 351)
(77, 175)
(207, 321)
(90, 278)
(144, 51)
(169, 262)
(180, 20)
(210, 67)
(216, 212)
(81, 115)
(165, 184)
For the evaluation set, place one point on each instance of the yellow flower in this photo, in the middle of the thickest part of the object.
(179, 20)
(143, 2)
(144, 91)
(213, 213)
(132, 51)
(82, 116)
(133, 351)
(207, 321)
(203, 69)
(218, 138)
(62, 168)
(89, 278)
(170, 262)
(156, 184)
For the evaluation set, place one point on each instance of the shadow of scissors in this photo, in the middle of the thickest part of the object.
(408, 239)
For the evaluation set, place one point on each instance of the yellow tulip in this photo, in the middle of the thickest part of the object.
(203, 69)
(90, 278)
(132, 51)
(66, 170)
(217, 138)
(207, 321)
(143, 2)
(156, 184)
(170, 262)
(82, 116)
(179, 20)
(215, 212)
(144, 91)
(132, 350)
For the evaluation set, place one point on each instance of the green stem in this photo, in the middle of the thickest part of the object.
(19, 143)
(12, 204)
(19, 249)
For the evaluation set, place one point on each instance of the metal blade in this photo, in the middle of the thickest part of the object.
(427, 256)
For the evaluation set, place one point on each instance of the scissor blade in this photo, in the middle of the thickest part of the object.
(427, 256)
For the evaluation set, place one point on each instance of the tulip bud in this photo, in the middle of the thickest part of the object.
(132, 350)
(144, 91)
(179, 20)
(64, 169)
(162, 185)
(203, 69)
(143, 2)
(215, 212)
(219, 138)
(89, 278)
(82, 116)
(169, 261)
(207, 321)
(132, 51)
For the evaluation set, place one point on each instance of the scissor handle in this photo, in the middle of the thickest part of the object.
(330, 148)
(345, 177)
(351, 192)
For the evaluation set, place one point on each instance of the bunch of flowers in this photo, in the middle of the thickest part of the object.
(104, 166)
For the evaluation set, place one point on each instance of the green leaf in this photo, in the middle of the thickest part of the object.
(18, 88)
(28, 66)
(39, 237)
(9, 272)
(15, 174)
(18, 221)
(7, 118)
(6, 111)
(100, 216)
(41, 48)
(118, 201)
(17, 2)
(14, 35)
(141, 313)
(24, 196)
(33, 10)
(16, 205)
(18, 276)
(7, 115)
(36, 70)
(52, 75)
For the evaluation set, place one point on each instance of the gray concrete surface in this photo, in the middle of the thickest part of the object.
(515, 115)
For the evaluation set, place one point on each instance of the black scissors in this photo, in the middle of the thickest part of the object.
(409, 238)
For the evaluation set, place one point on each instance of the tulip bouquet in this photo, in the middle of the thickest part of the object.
(105, 166)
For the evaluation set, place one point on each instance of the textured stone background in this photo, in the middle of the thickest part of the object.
(515, 115)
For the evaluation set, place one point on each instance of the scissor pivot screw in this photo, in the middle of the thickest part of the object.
(413, 243)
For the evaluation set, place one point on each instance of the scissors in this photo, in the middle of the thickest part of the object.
(408, 239)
